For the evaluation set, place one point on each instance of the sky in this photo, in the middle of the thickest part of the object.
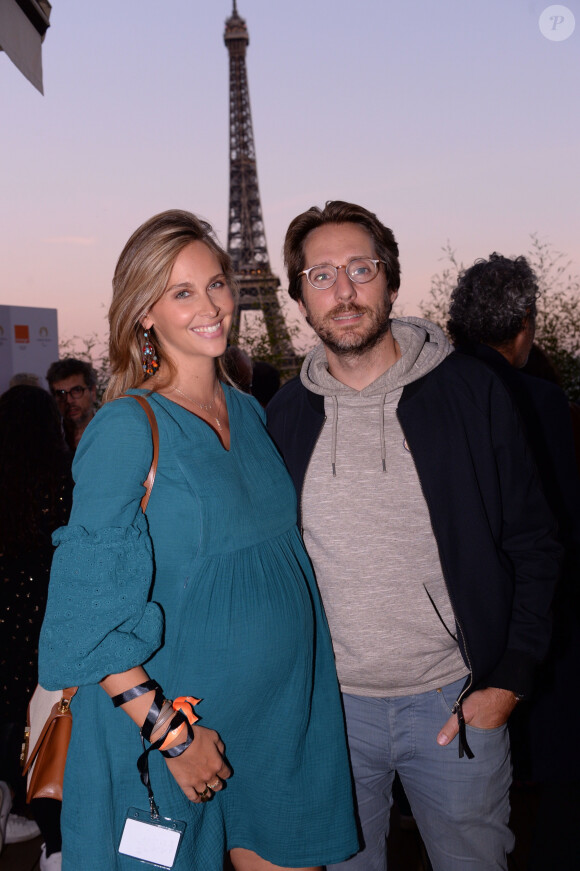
(455, 122)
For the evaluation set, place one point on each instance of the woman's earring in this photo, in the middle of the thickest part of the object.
(149, 357)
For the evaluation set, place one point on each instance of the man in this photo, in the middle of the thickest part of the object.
(431, 541)
(492, 317)
(73, 383)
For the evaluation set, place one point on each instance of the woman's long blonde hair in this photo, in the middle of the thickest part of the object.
(141, 277)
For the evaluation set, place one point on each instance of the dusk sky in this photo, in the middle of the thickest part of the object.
(452, 120)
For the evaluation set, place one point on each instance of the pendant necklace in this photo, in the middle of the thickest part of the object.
(205, 406)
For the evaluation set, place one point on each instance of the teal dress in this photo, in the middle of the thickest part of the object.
(213, 592)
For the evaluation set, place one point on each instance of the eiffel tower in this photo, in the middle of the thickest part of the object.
(246, 237)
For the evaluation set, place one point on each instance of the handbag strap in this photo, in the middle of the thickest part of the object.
(150, 479)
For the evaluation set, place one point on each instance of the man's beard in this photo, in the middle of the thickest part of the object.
(78, 421)
(352, 342)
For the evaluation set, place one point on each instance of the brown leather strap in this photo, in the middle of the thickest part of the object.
(149, 480)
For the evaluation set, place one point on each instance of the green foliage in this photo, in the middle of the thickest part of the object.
(254, 340)
(436, 307)
(558, 319)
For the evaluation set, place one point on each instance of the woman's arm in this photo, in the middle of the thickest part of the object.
(99, 616)
(201, 764)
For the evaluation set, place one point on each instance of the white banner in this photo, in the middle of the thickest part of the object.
(28, 342)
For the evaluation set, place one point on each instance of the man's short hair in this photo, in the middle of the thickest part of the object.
(61, 369)
(492, 301)
(338, 212)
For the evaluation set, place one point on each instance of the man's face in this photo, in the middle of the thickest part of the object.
(348, 318)
(526, 338)
(75, 409)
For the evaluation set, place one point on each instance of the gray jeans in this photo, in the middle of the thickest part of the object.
(461, 805)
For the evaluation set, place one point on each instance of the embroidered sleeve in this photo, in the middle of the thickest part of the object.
(100, 617)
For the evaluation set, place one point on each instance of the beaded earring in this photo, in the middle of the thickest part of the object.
(149, 357)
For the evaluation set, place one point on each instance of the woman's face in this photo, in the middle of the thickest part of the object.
(194, 315)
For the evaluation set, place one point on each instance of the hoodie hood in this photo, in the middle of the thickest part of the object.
(423, 346)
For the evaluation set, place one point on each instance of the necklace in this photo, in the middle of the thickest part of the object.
(205, 406)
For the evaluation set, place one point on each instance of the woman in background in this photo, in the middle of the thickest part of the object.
(35, 499)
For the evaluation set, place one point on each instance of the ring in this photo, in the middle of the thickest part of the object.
(206, 794)
(215, 785)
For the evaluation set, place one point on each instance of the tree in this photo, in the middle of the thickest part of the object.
(558, 318)
(254, 340)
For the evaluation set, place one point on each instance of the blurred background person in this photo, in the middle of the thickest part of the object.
(28, 378)
(35, 499)
(265, 382)
(492, 317)
(238, 365)
(73, 383)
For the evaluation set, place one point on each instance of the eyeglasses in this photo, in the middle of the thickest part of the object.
(75, 393)
(360, 270)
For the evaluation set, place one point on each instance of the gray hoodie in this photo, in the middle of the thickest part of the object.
(368, 533)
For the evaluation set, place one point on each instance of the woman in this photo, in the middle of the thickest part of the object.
(35, 499)
(209, 594)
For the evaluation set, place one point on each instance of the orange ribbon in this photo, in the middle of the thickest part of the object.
(185, 705)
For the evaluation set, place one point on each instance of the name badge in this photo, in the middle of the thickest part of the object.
(154, 840)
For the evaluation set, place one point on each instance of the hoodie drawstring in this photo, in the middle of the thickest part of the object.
(334, 435)
(382, 428)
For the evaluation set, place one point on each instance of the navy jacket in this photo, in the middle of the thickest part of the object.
(544, 734)
(494, 531)
(545, 412)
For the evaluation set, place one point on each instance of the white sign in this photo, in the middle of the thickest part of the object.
(28, 342)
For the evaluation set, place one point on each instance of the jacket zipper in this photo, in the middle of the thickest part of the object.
(463, 747)
(305, 473)
(457, 707)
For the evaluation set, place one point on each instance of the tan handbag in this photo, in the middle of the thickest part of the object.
(45, 764)
(47, 760)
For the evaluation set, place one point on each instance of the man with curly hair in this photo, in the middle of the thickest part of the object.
(492, 317)
(494, 304)
(432, 544)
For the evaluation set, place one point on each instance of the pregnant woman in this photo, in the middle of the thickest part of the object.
(208, 596)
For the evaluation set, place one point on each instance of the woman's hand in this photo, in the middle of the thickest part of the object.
(201, 768)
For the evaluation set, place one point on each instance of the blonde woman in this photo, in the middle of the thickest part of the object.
(208, 596)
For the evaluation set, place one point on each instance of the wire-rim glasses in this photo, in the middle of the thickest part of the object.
(360, 270)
